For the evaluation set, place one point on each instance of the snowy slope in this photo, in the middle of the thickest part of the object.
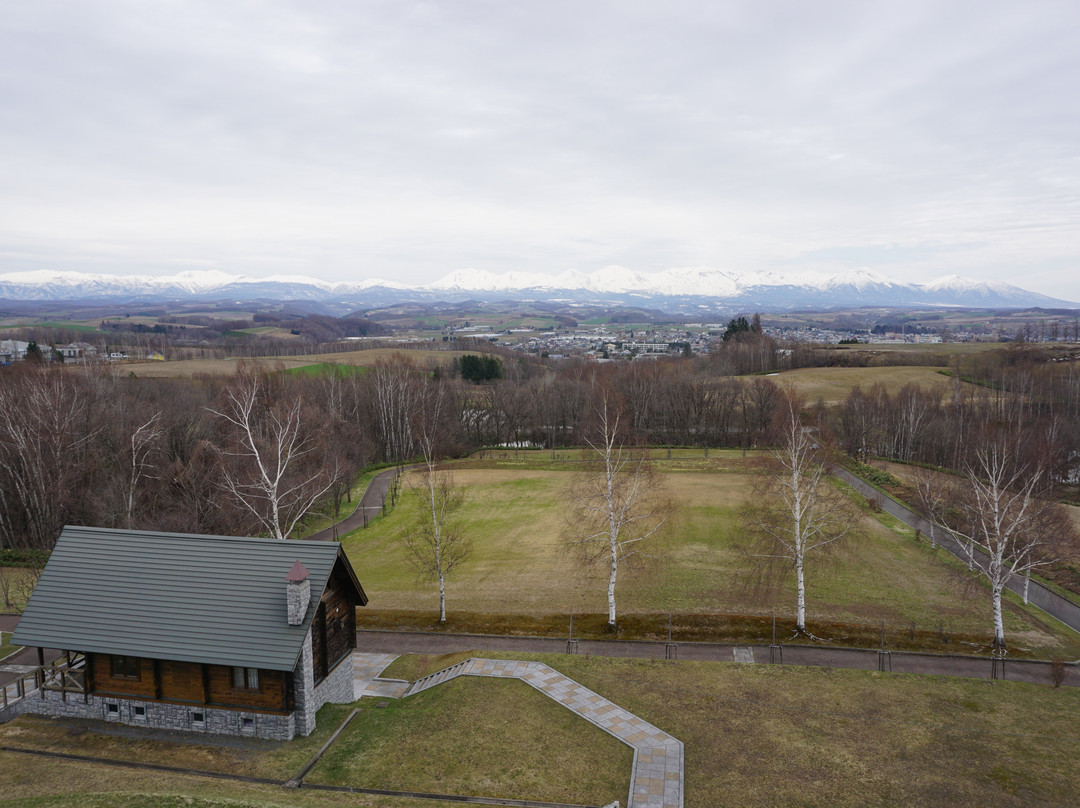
(676, 289)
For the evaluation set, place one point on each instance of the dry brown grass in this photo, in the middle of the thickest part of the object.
(482, 737)
(522, 578)
(834, 384)
(227, 367)
(247, 756)
(36, 782)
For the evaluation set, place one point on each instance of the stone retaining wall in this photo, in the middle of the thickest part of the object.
(155, 715)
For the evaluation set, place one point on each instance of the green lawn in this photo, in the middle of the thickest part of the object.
(481, 737)
(520, 566)
(37, 782)
(247, 756)
(759, 735)
(754, 735)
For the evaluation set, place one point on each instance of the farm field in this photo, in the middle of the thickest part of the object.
(521, 567)
(754, 735)
(227, 367)
(834, 384)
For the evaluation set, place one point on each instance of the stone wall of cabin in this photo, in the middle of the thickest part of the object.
(335, 688)
(156, 715)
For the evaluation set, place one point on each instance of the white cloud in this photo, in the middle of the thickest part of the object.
(408, 139)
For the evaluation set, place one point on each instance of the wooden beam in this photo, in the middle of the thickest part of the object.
(205, 683)
(88, 676)
(156, 666)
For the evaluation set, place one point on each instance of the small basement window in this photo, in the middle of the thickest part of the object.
(113, 708)
(198, 718)
(245, 678)
(125, 667)
(247, 724)
(140, 713)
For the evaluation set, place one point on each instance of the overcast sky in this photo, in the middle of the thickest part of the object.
(403, 140)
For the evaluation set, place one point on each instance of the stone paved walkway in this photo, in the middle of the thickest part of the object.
(656, 780)
(366, 681)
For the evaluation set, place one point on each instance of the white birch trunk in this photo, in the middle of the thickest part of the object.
(999, 623)
(800, 618)
(611, 590)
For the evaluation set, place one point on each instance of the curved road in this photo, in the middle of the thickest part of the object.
(369, 506)
(1038, 595)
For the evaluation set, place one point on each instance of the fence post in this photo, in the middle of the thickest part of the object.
(774, 649)
(571, 643)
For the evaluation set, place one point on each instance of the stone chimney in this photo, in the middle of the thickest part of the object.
(297, 593)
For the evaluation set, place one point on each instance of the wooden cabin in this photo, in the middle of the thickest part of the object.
(204, 633)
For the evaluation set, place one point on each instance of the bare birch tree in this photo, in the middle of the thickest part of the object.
(44, 429)
(931, 494)
(436, 544)
(617, 508)
(269, 478)
(143, 444)
(394, 387)
(795, 511)
(1006, 522)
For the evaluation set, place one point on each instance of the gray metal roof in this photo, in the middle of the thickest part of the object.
(212, 599)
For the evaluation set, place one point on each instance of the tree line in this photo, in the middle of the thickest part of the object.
(92, 446)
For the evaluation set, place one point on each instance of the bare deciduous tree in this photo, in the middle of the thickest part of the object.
(1008, 525)
(616, 508)
(269, 478)
(143, 444)
(436, 544)
(930, 491)
(44, 427)
(794, 510)
(394, 388)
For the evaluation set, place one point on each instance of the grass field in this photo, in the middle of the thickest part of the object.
(246, 756)
(754, 735)
(520, 568)
(487, 738)
(468, 737)
(759, 735)
(227, 367)
(37, 782)
(834, 384)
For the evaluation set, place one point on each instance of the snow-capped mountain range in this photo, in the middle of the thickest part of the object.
(678, 290)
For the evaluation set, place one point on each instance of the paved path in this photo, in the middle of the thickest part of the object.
(366, 679)
(656, 779)
(369, 506)
(1017, 670)
(1038, 595)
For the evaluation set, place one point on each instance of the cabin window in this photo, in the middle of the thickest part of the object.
(245, 678)
(125, 667)
(113, 708)
(198, 719)
(140, 713)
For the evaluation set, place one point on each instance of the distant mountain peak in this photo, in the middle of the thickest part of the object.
(693, 288)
